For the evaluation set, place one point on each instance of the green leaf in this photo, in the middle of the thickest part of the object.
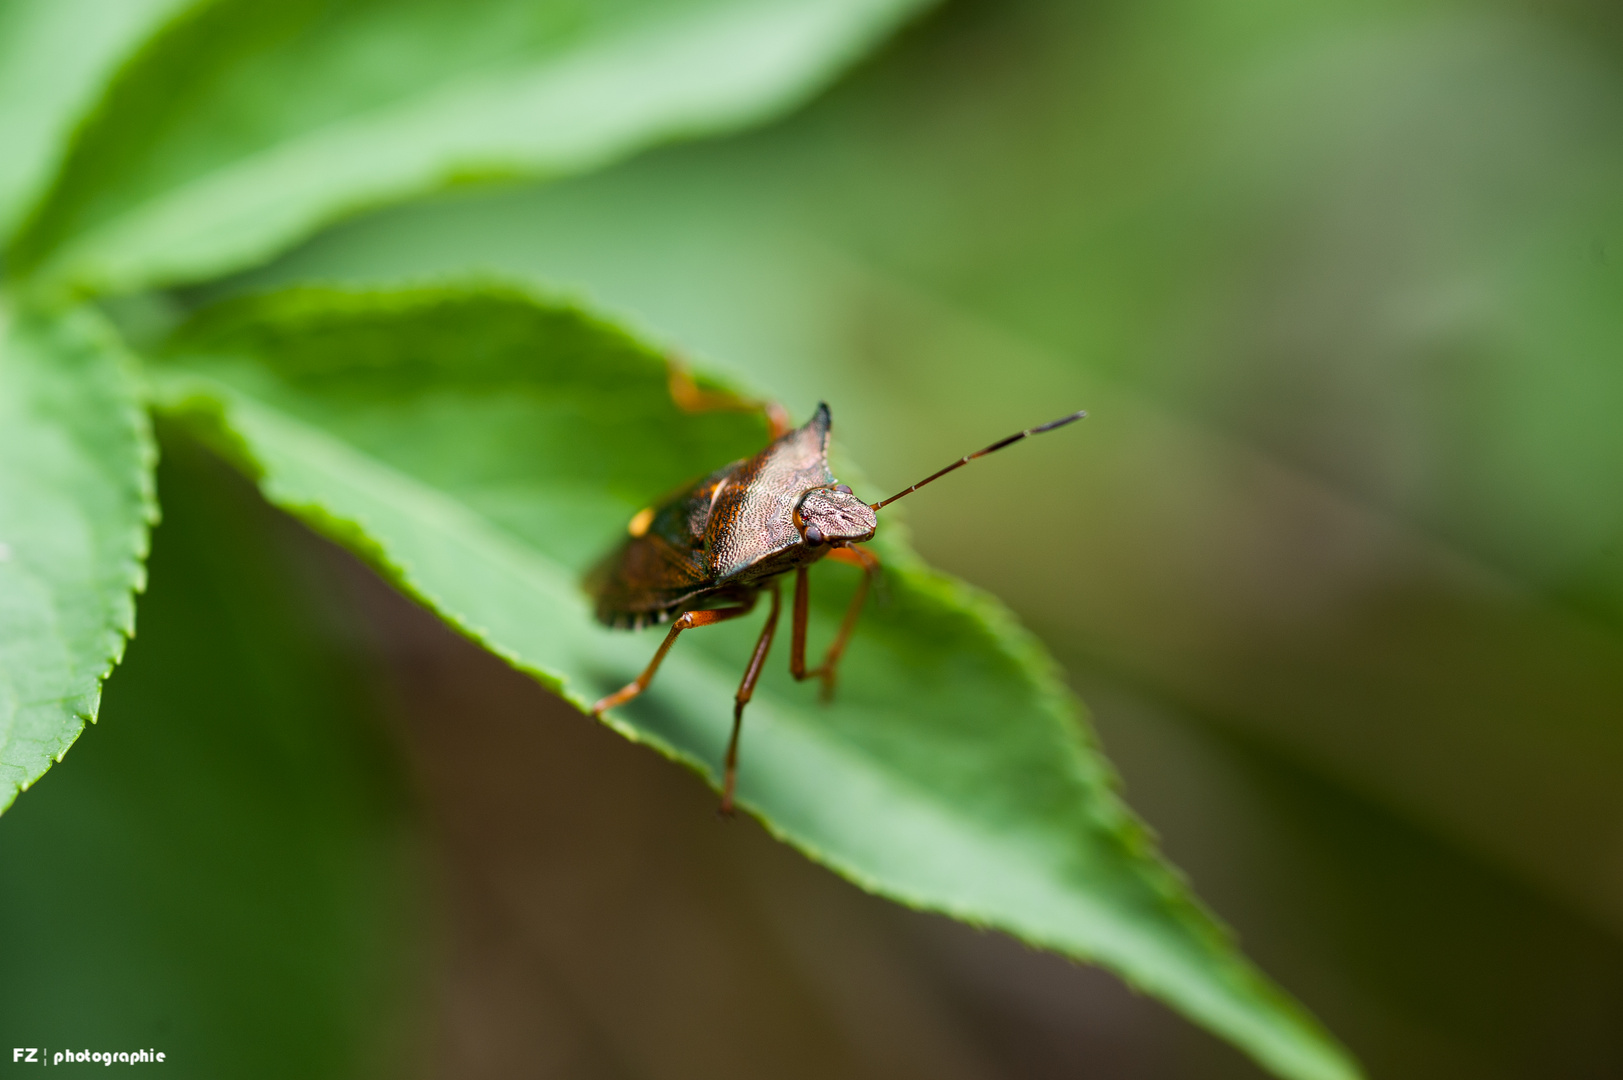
(248, 125)
(76, 503)
(224, 872)
(482, 448)
(54, 55)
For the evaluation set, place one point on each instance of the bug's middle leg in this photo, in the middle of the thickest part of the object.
(686, 621)
(746, 690)
(829, 668)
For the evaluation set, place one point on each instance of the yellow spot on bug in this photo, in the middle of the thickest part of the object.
(639, 524)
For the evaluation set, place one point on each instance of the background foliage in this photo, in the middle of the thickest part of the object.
(1339, 563)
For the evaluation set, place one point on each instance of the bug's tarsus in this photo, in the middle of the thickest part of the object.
(730, 768)
(967, 458)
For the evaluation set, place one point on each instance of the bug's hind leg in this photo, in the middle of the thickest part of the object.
(828, 670)
(686, 621)
(746, 690)
(691, 397)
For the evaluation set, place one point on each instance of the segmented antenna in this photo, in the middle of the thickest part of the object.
(966, 459)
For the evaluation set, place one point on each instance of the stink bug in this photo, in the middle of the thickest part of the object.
(705, 555)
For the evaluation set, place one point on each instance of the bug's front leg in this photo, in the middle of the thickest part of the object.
(686, 621)
(828, 670)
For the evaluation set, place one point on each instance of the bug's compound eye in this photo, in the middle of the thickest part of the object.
(843, 489)
(814, 535)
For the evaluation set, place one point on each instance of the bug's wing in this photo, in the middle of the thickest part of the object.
(753, 517)
(648, 577)
(644, 581)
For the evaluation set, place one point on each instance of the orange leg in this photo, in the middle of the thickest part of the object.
(746, 690)
(686, 621)
(828, 670)
(691, 397)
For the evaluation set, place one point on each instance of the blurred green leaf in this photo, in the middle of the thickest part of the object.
(76, 502)
(54, 55)
(247, 125)
(224, 872)
(482, 448)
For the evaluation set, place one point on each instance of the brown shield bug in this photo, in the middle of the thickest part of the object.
(705, 555)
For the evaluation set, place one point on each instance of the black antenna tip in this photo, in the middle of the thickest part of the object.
(1080, 414)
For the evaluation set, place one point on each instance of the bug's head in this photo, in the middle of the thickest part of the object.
(833, 515)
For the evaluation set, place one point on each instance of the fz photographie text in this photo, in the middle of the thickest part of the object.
(40, 1055)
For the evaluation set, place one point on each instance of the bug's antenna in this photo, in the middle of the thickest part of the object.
(966, 459)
